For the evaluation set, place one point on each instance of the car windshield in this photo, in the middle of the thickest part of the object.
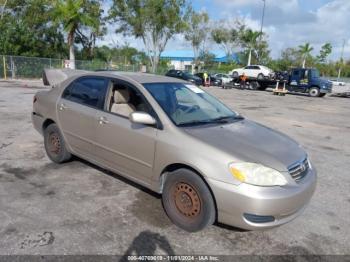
(188, 105)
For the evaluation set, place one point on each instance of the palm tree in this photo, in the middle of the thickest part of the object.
(249, 40)
(3, 9)
(72, 15)
(305, 51)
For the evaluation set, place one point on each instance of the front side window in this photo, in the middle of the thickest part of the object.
(88, 91)
(188, 105)
(315, 73)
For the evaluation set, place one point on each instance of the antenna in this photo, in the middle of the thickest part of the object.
(341, 59)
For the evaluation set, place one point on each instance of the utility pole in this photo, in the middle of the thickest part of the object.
(262, 18)
(262, 23)
(341, 59)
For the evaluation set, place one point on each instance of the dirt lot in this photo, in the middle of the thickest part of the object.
(77, 208)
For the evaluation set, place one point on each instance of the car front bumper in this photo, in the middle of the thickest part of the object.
(326, 89)
(236, 205)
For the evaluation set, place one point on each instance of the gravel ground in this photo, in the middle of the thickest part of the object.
(78, 208)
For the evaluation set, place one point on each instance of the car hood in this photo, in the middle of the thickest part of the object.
(251, 142)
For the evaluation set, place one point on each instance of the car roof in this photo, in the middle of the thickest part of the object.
(141, 78)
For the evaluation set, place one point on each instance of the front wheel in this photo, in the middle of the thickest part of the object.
(188, 201)
(314, 92)
(55, 145)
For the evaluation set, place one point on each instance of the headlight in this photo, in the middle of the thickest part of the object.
(256, 174)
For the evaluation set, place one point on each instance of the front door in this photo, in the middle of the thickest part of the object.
(296, 80)
(122, 145)
(77, 111)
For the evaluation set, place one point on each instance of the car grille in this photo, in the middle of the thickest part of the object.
(299, 171)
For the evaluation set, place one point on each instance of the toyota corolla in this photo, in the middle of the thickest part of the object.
(208, 162)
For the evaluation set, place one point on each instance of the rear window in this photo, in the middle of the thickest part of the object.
(88, 91)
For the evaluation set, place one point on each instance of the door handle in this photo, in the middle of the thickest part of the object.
(63, 107)
(102, 120)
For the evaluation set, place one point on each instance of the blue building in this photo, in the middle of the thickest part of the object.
(183, 59)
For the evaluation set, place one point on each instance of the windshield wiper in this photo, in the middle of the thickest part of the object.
(226, 118)
(194, 123)
(219, 120)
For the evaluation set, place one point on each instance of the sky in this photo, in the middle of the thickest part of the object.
(288, 23)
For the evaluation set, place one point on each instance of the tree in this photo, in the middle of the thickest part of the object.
(325, 51)
(197, 31)
(249, 40)
(3, 6)
(227, 36)
(153, 21)
(75, 15)
(305, 52)
(207, 58)
(26, 29)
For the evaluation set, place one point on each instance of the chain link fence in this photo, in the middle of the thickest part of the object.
(20, 67)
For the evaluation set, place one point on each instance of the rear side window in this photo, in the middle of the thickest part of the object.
(88, 91)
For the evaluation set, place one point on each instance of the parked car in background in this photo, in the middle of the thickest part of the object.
(337, 82)
(253, 71)
(185, 76)
(214, 81)
(208, 162)
(225, 78)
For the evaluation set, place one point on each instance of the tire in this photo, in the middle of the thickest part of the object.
(235, 74)
(314, 92)
(260, 76)
(262, 87)
(187, 200)
(55, 145)
(253, 85)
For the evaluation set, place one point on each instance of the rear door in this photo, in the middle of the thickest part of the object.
(122, 145)
(77, 110)
(248, 70)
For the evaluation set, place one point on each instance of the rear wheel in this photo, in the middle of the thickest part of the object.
(235, 74)
(188, 201)
(55, 145)
(263, 86)
(253, 85)
(314, 92)
(260, 76)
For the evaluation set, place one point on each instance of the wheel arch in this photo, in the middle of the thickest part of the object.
(47, 122)
(175, 166)
(315, 86)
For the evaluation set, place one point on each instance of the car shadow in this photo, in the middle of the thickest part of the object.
(117, 176)
(147, 191)
(230, 228)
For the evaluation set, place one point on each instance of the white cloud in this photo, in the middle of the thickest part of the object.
(287, 23)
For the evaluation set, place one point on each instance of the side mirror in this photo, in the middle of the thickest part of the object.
(142, 118)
